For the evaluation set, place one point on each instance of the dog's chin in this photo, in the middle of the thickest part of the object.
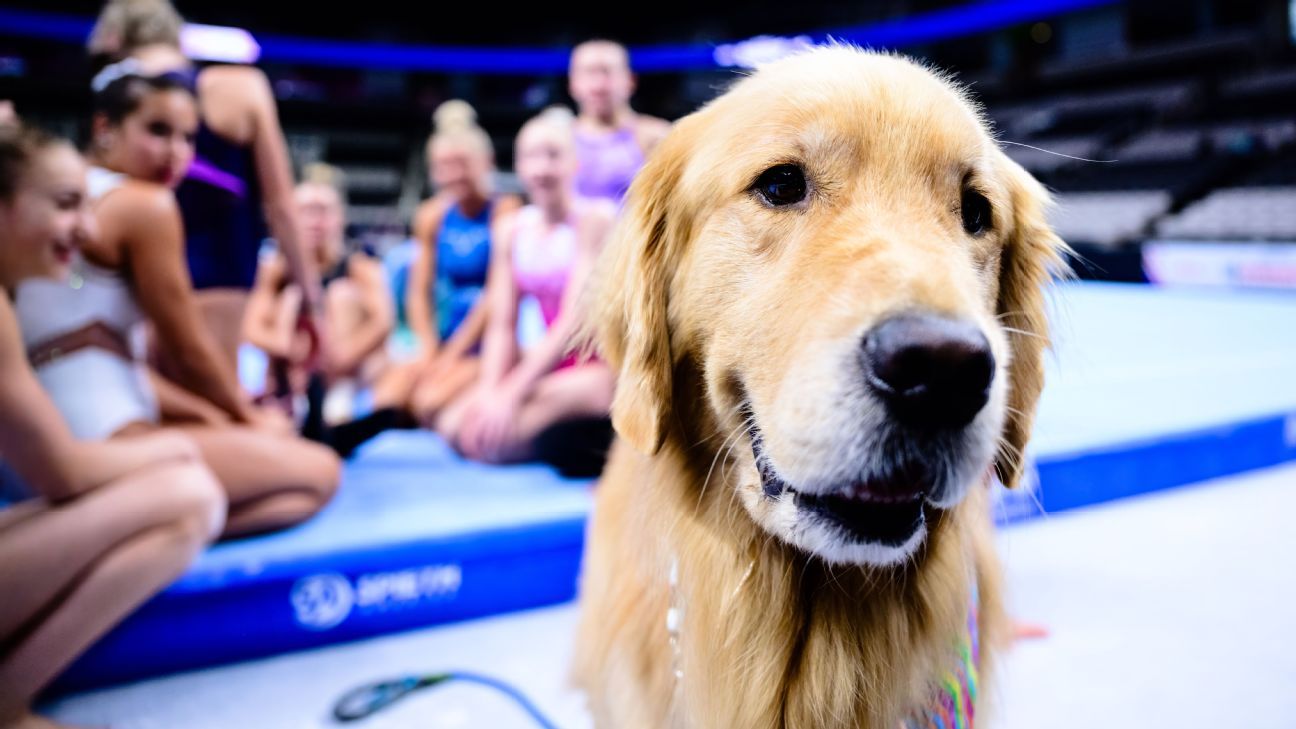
(877, 522)
(843, 527)
(847, 536)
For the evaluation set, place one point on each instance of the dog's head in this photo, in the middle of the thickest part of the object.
(857, 271)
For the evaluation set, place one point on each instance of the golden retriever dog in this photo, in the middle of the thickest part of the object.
(824, 302)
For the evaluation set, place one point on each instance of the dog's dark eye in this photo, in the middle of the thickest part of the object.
(781, 185)
(976, 212)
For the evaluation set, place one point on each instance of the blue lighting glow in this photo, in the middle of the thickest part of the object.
(962, 20)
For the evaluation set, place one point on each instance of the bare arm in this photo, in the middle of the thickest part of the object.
(499, 343)
(378, 320)
(593, 228)
(262, 325)
(37, 443)
(469, 332)
(274, 172)
(179, 405)
(420, 307)
(148, 222)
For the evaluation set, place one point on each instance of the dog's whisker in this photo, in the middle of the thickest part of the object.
(1013, 411)
(705, 439)
(1016, 452)
(725, 459)
(1024, 333)
(1007, 314)
(1035, 499)
(1019, 456)
(832, 576)
(1039, 506)
(714, 460)
(747, 423)
(1057, 154)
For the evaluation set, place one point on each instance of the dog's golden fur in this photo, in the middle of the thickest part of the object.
(707, 300)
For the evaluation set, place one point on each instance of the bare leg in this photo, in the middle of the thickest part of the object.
(393, 387)
(222, 312)
(272, 481)
(581, 391)
(450, 418)
(574, 392)
(73, 570)
(431, 395)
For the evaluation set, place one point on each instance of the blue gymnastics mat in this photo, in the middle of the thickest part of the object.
(1148, 389)
(415, 537)
(1152, 388)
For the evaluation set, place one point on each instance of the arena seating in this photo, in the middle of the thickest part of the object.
(1206, 159)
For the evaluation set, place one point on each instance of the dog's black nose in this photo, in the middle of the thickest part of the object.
(932, 371)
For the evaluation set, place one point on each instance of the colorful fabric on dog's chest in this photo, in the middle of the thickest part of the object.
(953, 706)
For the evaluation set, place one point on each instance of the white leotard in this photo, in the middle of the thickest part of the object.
(97, 391)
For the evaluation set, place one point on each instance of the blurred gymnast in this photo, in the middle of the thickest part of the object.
(444, 300)
(90, 530)
(239, 188)
(86, 340)
(612, 139)
(545, 251)
(360, 316)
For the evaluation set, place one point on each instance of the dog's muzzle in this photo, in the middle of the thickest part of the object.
(933, 376)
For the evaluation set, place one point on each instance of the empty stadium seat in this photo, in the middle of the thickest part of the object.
(1107, 218)
(1239, 213)
(1251, 135)
(1162, 145)
(1260, 206)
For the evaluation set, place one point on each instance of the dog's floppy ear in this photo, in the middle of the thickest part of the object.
(630, 296)
(1031, 255)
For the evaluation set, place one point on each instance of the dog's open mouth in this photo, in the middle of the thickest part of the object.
(885, 512)
(888, 524)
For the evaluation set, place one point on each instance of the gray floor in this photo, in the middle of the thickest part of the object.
(1174, 610)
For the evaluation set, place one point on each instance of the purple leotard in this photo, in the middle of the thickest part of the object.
(607, 163)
